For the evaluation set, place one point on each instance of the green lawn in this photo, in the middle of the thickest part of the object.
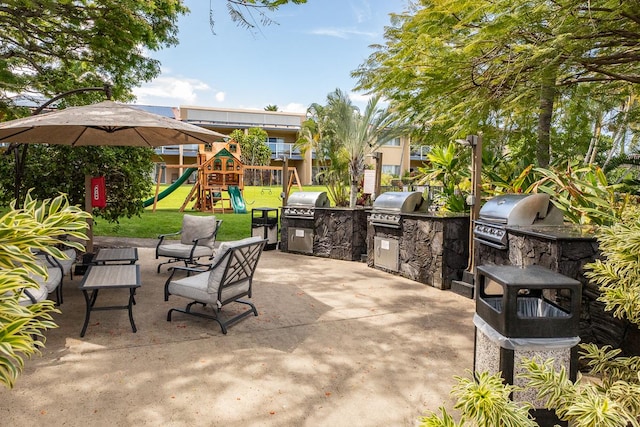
(167, 218)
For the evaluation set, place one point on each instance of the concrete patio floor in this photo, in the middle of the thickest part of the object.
(336, 344)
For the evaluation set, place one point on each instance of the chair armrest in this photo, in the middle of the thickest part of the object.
(188, 270)
(54, 262)
(162, 236)
(161, 239)
(50, 260)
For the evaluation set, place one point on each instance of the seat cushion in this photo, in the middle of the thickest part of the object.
(196, 288)
(182, 251)
(40, 294)
(68, 263)
(194, 227)
(52, 281)
(193, 287)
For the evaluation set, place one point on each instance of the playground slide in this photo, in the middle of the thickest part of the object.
(237, 202)
(171, 188)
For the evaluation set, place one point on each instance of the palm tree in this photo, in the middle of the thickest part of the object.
(318, 133)
(271, 107)
(359, 135)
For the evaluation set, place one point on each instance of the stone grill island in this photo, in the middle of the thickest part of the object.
(336, 233)
(432, 247)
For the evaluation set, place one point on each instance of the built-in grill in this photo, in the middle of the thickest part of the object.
(298, 219)
(388, 207)
(303, 203)
(513, 210)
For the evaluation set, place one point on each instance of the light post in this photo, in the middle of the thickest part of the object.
(475, 142)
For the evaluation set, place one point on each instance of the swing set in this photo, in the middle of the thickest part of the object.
(294, 178)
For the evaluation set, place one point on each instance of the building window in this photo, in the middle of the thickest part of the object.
(393, 170)
(395, 142)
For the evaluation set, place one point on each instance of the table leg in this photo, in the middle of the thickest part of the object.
(87, 313)
(132, 292)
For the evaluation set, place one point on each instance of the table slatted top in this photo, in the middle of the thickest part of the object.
(116, 254)
(111, 276)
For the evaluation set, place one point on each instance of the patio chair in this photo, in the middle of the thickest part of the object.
(33, 295)
(53, 282)
(228, 279)
(63, 264)
(197, 239)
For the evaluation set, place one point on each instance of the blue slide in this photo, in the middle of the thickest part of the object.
(237, 202)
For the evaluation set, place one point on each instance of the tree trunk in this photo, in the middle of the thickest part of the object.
(547, 98)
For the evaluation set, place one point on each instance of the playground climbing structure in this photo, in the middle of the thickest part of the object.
(219, 170)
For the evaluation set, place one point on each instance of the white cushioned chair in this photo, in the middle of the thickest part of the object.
(197, 240)
(228, 279)
(53, 263)
(55, 272)
(33, 295)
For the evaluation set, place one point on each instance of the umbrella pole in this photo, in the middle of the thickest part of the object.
(88, 208)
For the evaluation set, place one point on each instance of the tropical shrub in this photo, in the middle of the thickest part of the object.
(609, 394)
(45, 227)
(448, 168)
(582, 193)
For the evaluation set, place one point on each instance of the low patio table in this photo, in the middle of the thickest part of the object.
(116, 256)
(116, 276)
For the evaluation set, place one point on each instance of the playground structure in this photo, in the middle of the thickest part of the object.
(220, 180)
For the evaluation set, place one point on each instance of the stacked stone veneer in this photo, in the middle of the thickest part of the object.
(566, 253)
(339, 233)
(433, 248)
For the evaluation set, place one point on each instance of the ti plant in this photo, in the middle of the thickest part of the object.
(618, 273)
(483, 401)
(583, 194)
(35, 227)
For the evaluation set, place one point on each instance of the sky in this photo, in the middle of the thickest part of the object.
(309, 53)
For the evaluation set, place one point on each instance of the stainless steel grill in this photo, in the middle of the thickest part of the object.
(302, 204)
(513, 210)
(388, 207)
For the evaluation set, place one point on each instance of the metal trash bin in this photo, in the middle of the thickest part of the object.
(264, 223)
(522, 312)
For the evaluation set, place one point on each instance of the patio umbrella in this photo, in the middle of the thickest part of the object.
(105, 123)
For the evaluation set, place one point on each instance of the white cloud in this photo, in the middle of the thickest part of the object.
(294, 107)
(220, 96)
(342, 33)
(172, 90)
(362, 12)
(359, 97)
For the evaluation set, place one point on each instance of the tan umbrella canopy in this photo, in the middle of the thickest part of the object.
(105, 123)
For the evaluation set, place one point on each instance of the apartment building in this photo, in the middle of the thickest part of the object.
(282, 129)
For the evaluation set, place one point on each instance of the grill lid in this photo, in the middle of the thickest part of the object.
(309, 199)
(400, 202)
(521, 209)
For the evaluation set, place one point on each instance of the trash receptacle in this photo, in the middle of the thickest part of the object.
(522, 312)
(264, 223)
